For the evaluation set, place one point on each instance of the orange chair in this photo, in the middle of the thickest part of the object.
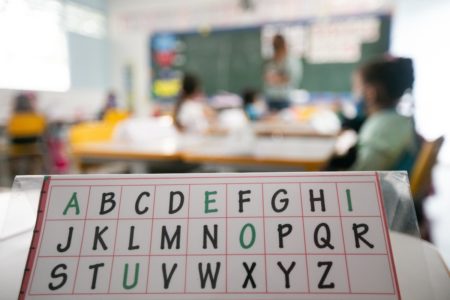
(423, 167)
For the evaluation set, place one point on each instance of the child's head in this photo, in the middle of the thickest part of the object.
(384, 81)
(279, 44)
(22, 103)
(249, 96)
(190, 86)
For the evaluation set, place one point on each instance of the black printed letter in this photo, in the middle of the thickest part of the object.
(325, 240)
(54, 274)
(312, 199)
(107, 198)
(242, 199)
(322, 284)
(173, 210)
(207, 234)
(282, 233)
(359, 235)
(59, 247)
(130, 242)
(168, 278)
(98, 237)
(94, 275)
(170, 241)
(249, 277)
(285, 201)
(208, 273)
(138, 200)
(286, 273)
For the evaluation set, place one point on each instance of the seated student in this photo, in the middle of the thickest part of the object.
(386, 140)
(26, 129)
(191, 114)
(110, 103)
(252, 105)
(25, 125)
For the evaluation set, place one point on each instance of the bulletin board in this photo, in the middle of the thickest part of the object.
(233, 59)
(201, 236)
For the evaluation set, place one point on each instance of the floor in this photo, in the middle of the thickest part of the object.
(437, 208)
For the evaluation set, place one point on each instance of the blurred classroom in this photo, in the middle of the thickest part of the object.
(139, 86)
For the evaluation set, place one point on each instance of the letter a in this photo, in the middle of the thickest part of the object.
(73, 203)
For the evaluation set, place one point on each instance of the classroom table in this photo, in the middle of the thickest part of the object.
(415, 260)
(289, 129)
(299, 153)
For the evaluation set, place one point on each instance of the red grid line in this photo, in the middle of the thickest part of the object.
(343, 239)
(215, 183)
(115, 239)
(226, 238)
(304, 238)
(218, 254)
(82, 240)
(219, 293)
(356, 174)
(264, 235)
(211, 218)
(187, 239)
(151, 238)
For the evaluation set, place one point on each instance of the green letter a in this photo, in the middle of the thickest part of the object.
(73, 203)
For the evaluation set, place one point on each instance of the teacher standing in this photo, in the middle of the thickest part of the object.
(282, 74)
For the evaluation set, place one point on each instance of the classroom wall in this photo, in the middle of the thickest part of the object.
(89, 57)
(89, 60)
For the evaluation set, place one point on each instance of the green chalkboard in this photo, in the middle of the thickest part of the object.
(224, 60)
(230, 60)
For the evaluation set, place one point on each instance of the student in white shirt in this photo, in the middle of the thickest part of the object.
(191, 114)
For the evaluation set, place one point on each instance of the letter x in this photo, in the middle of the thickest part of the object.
(249, 275)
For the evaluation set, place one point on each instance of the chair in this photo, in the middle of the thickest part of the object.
(26, 151)
(89, 133)
(421, 173)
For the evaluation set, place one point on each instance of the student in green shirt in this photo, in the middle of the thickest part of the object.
(387, 140)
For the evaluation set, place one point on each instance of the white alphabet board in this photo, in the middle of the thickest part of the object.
(203, 236)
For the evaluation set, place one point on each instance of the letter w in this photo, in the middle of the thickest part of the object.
(208, 273)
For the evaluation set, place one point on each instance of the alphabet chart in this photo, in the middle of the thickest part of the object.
(211, 236)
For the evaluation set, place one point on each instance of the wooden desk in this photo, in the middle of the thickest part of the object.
(289, 129)
(301, 153)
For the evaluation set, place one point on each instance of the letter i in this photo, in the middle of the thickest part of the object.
(349, 200)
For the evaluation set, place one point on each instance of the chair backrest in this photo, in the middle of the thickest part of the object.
(421, 173)
(26, 125)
